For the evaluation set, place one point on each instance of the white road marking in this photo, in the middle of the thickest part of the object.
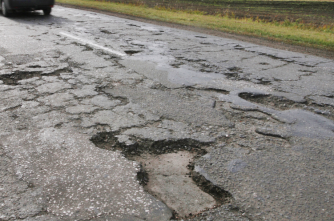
(85, 41)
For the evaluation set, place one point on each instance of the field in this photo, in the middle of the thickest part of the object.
(318, 13)
(303, 23)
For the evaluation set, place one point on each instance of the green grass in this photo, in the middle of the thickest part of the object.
(272, 0)
(288, 32)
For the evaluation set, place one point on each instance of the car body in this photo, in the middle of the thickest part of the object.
(8, 6)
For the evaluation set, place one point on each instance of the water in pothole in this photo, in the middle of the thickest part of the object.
(170, 180)
(294, 122)
(167, 172)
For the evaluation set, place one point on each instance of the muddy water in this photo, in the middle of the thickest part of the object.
(298, 122)
(167, 172)
(170, 180)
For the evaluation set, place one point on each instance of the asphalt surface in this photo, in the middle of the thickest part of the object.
(104, 118)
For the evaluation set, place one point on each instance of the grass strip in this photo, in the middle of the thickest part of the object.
(291, 34)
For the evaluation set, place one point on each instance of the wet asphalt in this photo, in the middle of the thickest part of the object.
(104, 118)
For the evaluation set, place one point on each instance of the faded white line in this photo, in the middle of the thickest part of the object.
(85, 41)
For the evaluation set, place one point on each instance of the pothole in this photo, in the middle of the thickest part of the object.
(167, 172)
(105, 31)
(133, 25)
(86, 47)
(131, 52)
(235, 69)
(209, 89)
(12, 79)
(280, 103)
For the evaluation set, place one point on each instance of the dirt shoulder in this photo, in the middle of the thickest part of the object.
(251, 39)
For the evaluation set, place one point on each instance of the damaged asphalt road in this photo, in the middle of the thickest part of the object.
(105, 118)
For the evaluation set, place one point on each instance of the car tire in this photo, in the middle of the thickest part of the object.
(4, 9)
(47, 11)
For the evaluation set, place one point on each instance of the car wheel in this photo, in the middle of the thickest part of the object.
(47, 11)
(4, 9)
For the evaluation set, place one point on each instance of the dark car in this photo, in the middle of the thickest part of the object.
(8, 6)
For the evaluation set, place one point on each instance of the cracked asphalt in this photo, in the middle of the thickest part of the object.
(89, 103)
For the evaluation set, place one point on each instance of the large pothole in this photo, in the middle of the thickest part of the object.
(167, 172)
(282, 104)
(18, 75)
(276, 102)
(14, 78)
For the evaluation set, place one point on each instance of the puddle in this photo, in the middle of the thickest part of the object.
(187, 77)
(167, 172)
(307, 124)
(173, 71)
(297, 122)
(280, 103)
